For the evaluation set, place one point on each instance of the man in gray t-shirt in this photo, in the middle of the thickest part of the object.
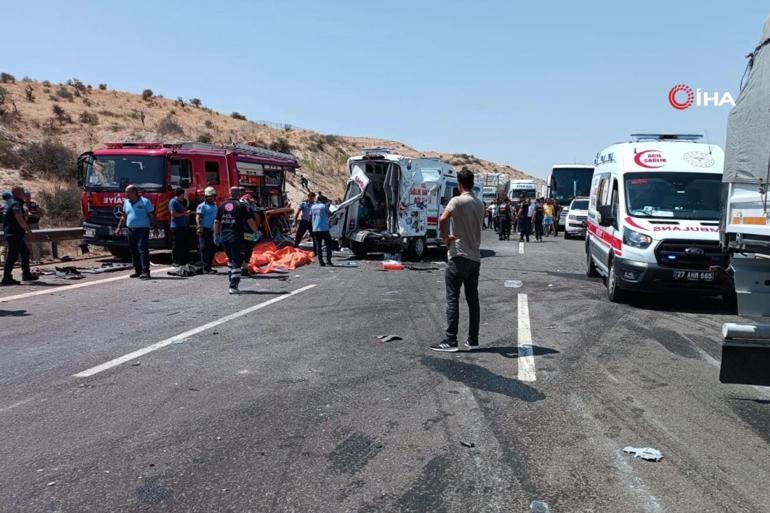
(466, 213)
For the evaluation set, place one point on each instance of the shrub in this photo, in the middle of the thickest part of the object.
(46, 83)
(208, 123)
(61, 204)
(60, 114)
(205, 138)
(8, 156)
(7, 78)
(147, 94)
(281, 144)
(78, 85)
(25, 78)
(238, 115)
(89, 118)
(169, 126)
(111, 114)
(87, 102)
(102, 87)
(49, 158)
(29, 93)
(195, 102)
(63, 92)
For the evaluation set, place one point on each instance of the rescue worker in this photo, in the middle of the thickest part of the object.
(504, 220)
(320, 214)
(250, 237)
(205, 215)
(305, 220)
(229, 228)
(524, 220)
(16, 229)
(179, 225)
(139, 218)
(466, 213)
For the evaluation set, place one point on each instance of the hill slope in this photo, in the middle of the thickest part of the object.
(72, 118)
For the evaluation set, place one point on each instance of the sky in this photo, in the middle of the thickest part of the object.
(527, 84)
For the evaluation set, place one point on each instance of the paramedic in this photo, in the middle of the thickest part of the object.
(229, 228)
(466, 213)
(320, 215)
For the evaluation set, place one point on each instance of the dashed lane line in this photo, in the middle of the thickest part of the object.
(176, 338)
(65, 288)
(521, 248)
(526, 358)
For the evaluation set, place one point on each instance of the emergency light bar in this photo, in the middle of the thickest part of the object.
(667, 137)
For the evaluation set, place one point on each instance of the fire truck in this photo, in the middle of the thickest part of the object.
(158, 168)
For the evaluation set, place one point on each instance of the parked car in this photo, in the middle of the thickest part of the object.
(577, 214)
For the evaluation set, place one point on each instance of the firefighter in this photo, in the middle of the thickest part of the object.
(229, 228)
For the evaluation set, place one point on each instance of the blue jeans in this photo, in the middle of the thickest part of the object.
(139, 245)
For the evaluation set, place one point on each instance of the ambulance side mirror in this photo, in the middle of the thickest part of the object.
(605, 215)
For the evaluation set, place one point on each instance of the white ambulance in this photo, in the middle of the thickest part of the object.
(393, 203)
(653, 217)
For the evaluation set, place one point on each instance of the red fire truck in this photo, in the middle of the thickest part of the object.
(158, 168)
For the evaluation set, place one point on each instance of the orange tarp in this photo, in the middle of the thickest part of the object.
(266, 258)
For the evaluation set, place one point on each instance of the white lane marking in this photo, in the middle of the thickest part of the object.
(521, 248)
(15, 405)
(63, 288)
(163, 343)
(526, 357)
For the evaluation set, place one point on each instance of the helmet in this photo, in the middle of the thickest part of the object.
(210, 191)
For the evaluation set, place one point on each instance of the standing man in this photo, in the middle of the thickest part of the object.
(538, 219)
(16, 229)
(463, 245)
(305, 220)
(229, 227)
(524, 221)
(320, 215)
(205, 215)
(548, 217)
(504, 222)
(138, 216)
(179, 224)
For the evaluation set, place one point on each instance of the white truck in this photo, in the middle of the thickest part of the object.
(521, 189)
(393, 203)
(745, 223)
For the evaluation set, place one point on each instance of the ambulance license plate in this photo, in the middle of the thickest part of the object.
(694, 275)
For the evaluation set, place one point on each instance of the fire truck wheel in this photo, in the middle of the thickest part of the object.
(120, 253)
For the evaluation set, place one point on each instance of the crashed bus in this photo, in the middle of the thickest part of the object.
(158, 168)
(393, 203)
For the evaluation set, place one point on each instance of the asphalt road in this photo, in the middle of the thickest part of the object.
(294, 405)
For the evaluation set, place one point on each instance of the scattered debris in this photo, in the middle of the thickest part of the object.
(389, 338)
(191, 389)
(215, 333)
(136, 364)
(645, 453)
(51, 483)
(550, 284)
(391, 292)
(67, 273)
(513, 284)
(346, 264)
(469, 445)
(66, 258)
(106, 267)
(539, 507)
(415, 268)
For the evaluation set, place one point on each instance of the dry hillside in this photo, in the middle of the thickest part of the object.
(44, 126)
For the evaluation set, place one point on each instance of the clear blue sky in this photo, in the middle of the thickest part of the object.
(527, 84)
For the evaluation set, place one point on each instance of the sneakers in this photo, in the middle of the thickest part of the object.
(233, 290)
(29, 277)
(10, 281)
(445, 346)
(134, 275)
(468, 346)
(144, 276)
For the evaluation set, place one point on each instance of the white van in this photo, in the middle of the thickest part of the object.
(393, 203)
(653, 217)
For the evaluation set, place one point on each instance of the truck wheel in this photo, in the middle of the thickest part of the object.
(358, 249)
(614, 293)
(120, 253)
(591, 271)
(417, 248)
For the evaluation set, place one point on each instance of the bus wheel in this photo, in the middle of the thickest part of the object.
(417, 248)
(120, 253)
(614, 293)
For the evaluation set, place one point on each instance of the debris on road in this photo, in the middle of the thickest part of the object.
(67, 273)
(513, 284)
(539, 507)
(346, 264)
(51, 483)
(469, 445)
(645, 453)
(107, 267)
(136, 364)
(389, 338)
(392, 265)
(416, 268)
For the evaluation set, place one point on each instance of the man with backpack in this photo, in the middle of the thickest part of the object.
(229, 228)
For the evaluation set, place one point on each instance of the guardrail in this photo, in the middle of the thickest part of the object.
(54, 236)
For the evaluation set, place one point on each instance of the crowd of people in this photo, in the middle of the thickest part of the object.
(524, 216)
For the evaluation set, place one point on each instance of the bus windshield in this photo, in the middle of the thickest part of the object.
(108, 172)
(567, 183)
(693, 196)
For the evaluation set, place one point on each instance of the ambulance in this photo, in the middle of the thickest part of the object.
(392, 203)
(653, 217)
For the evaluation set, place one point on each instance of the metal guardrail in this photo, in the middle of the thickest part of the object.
(54, 236)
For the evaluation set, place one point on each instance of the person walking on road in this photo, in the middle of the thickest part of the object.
(229, 228)
(138, 217)
(548, 217)
(180, 229)
(537, 219)
(205, 215)
(524, 221)
(466, 213)
(505, 220)
(320, 215)
(16, 229)
(305, 220)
